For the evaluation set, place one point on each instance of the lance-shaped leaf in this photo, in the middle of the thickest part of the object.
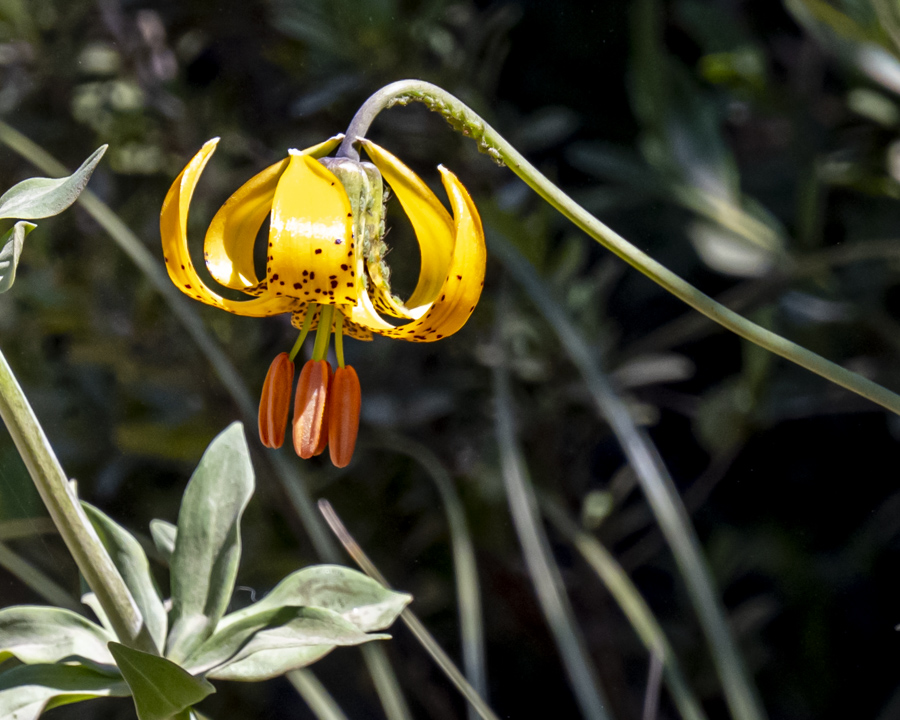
(36, 634)
(312, 633)
(12, 242)
(268, 664)
(208, 544)
(354, 596)
(163, 534)
(44, 197)
(131, 562)
(27, 690)
(160, 688)
(296, 626)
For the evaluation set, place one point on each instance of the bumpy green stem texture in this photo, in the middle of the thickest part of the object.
(463, 119)
(75, 529)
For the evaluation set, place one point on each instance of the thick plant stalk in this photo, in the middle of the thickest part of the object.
(75, 529)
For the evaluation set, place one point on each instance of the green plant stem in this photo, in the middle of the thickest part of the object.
(421, 633)
(657, 484)
(321, 703)
(466, 121)
(75, 529)
(37, 580)
(293, 485)
(632, 604)
(468, 594)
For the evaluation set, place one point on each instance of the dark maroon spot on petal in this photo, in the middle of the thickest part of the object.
(306, 272)
(349, 285)
(297, 286)
(318, 251)
(459, 277)
(439, 337)
(349, 298)
(187, 287)
(419, 337)
(312, 275)
(343, 267)
(275, 276)
(332, 277)
(352, 273)
(442, 298)
(334, 283)
(182, 267)
(282, 282)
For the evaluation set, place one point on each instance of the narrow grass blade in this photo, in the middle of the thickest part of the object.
(35, 579)
(632, 604)
(424, 637)
(657, 485)
(468, 593)
(319, 700)
(545, 575)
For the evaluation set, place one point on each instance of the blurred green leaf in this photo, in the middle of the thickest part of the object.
(12, 242)
(44, 197)
(160, 688)
(36, 634)
(208, 544)
(355, 597)
(27, 690)
(131, 561)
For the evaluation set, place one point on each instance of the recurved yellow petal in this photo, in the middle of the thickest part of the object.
(228, 248)
(312, 252)
(432, 224)
(461, 287)
(173, 228)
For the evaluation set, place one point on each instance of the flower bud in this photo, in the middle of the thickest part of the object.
(310, 404)
(343, 415)
(275, 401)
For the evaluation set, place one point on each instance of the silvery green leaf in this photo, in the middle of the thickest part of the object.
(268, 664)
(354, 596)
(160, 688)
(208, 544)
(131, 561)
(44, 197)
(27, 690)
(164, 534)
(12, 242)
(36, 634)
(294, 626)
(312, 633)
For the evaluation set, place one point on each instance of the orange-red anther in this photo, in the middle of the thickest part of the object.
(275, 401)
(343, 415)
(310, 404)
(323, 436)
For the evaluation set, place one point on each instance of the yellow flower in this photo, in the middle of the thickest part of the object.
(325, 266)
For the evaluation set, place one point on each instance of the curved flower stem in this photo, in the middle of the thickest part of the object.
(75, 529)
(466, 121)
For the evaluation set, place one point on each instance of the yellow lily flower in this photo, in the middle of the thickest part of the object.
(325, 266)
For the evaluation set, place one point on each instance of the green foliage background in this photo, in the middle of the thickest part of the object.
(751, 147)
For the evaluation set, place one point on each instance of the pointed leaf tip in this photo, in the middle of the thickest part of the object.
(43, 197)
